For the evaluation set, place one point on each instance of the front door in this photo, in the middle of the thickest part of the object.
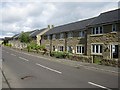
(114, 51)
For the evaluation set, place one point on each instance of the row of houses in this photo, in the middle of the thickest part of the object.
(35, 35)
(98, 36)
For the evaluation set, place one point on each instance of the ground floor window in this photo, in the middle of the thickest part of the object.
(48, 47)
(69, 49)
(60, 48)
(80, 49)
(96, 48)
(53, 48)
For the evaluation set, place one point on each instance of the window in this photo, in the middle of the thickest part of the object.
(97, 30)
(70, 34)
(53, 48)
(114, 28)
(69, 49)
(48, 47)
(96, 48)
(48, 37)
(80, 49)
(114, 51)
(61, 36)
(60, 48)
(82, 34)
(45, 37)
(54, 36)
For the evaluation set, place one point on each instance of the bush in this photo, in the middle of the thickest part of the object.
(9, 45)
(34, 46)
(59, 54)
(97, 59)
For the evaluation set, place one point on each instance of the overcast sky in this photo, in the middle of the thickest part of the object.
(27, 16)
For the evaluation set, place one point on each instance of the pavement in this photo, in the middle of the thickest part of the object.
(31, 70)
(76, 64)
(0, 67)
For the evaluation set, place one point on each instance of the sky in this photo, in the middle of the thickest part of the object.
(16, 17)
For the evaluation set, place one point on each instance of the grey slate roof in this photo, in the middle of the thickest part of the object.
(36, 32)
(107, 17)
(71, 26)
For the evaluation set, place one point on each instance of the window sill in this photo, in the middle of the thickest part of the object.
(96, 35)
(61, 39)
(80, 53)
(96, 53)
(80, 37)
(70, 37)
(113, 32)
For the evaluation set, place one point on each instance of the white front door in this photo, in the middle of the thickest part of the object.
(114, 51)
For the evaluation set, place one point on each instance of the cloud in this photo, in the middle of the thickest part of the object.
(25, 16)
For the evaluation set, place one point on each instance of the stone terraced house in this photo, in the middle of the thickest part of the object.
(35, 36)
(97, 37)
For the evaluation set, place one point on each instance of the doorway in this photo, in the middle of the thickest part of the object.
(114, 51)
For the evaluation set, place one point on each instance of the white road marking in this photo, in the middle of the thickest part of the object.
(86, 67)
(99, 85)
(7, 52)
(49, 68)
(13, 54)
(23, 59)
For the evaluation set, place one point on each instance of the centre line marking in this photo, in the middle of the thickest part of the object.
(13, 54)
(23, 59)
(99, 85)
(49, 68)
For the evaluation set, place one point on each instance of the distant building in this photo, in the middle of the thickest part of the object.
(35, 35)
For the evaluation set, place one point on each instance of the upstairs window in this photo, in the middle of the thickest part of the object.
(54, 36)
(48, 37)
(70, 35)
(97, 30)
(45, 37)
(82, 34)
(61, 36)
(114, 28)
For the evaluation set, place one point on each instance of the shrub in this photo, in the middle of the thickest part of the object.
(58, 54)
(9, 45)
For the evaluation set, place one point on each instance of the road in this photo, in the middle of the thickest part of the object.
(27, 71)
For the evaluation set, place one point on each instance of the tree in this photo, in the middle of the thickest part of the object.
(24, 37)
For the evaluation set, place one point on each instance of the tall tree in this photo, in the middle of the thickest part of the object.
(24, 37)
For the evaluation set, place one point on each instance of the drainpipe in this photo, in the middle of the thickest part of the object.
(65, 41)
(50, 44)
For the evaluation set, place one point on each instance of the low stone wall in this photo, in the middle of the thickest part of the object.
(87, 59)
(107, 62)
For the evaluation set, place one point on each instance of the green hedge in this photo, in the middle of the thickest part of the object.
(9, 45)
(33, 46)
(58, 54)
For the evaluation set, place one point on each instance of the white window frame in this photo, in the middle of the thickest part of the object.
(95, 45)
(61, 35)
(54, 36)
(81, 33)
(81, 46)
(114, 27)
(48, 37)
(94, 29)
(47, 46)
(59, 48)
(68, 48)
(70, 35)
